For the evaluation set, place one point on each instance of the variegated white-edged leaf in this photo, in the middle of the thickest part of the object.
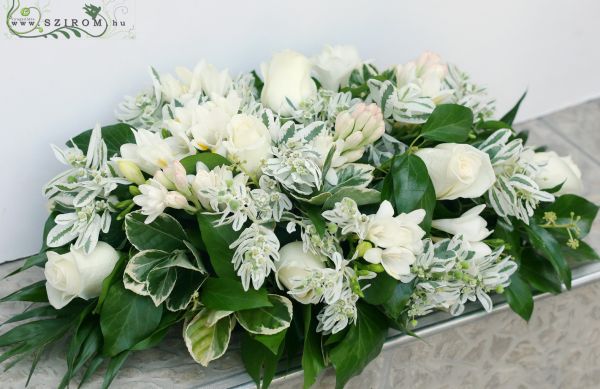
(352, 175)
(521, 181)
(362, 196)
(499, 137)
(158, 272)
(310, 131)
(267, 320)
(196, 255)
(207, 335)
(61, 234)
(134, 286)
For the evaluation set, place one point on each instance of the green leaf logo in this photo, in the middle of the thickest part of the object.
(25, 11)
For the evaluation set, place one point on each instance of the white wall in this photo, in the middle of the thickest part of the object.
(50, 90)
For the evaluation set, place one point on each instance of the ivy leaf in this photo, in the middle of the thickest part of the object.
(267, 320)
(519, 297)
(408, 187)
(207, 335)
(211, 160)
(361, 345)
(312, 355)
(114, 136)
(538, 272)
(564, 205)
(545, 243)
(381, 289)
(225, 294)
(164, 233)
(126, 318)
(583, 253)
(398, 301)
(448, 123)
(259, 361)
(217, 240)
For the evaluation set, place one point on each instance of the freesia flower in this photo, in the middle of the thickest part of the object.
(151, 152)
(395, 260)
(155, 198)
(470, 225)
(386, 230)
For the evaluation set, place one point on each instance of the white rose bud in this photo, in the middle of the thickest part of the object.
(427, 72)
(334, 65)
(249, 142)
(355, 129)
(76, 274)
(294, 266)
(556, 170)
(470, 225)
(287, 76)
(130, 171)
(458, 170)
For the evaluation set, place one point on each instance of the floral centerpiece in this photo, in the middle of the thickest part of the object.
(310, 208)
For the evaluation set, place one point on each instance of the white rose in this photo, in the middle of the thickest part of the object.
(249, 142)
(287, 76)
(556, 170)
(458, 170)
(294, 266)
(334, 65)
(470, 225)
(387, 231)
(75, 274)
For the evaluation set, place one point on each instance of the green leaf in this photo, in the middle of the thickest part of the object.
(362, 196)
(509, 117)
(448, 123)
(259, 361)
(398, 301)
(519, 297)
(272, 342)
(33, 260)
(408, 187)
(114, 136)
(564, 205)
(114, 276)
(35, 293)
(225, 294)
(312, 355)
(583, 253)
(113, 368)
(211, 160)
(545, 243)
(188, 283)
(538, 272)
(217, 240)
(126, 318)
(164, 233)
(381, 290)
(361, 345)
(267, 320)
(207, 335)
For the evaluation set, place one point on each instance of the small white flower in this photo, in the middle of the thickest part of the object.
(336, 316)
(345, 215)
(269, 201)
(143, 109)
(255, 251)
(296, 167)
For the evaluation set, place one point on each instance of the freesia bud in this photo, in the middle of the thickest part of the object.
(176, 173)
(162, 178)
(131, 171)
(175, 200)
